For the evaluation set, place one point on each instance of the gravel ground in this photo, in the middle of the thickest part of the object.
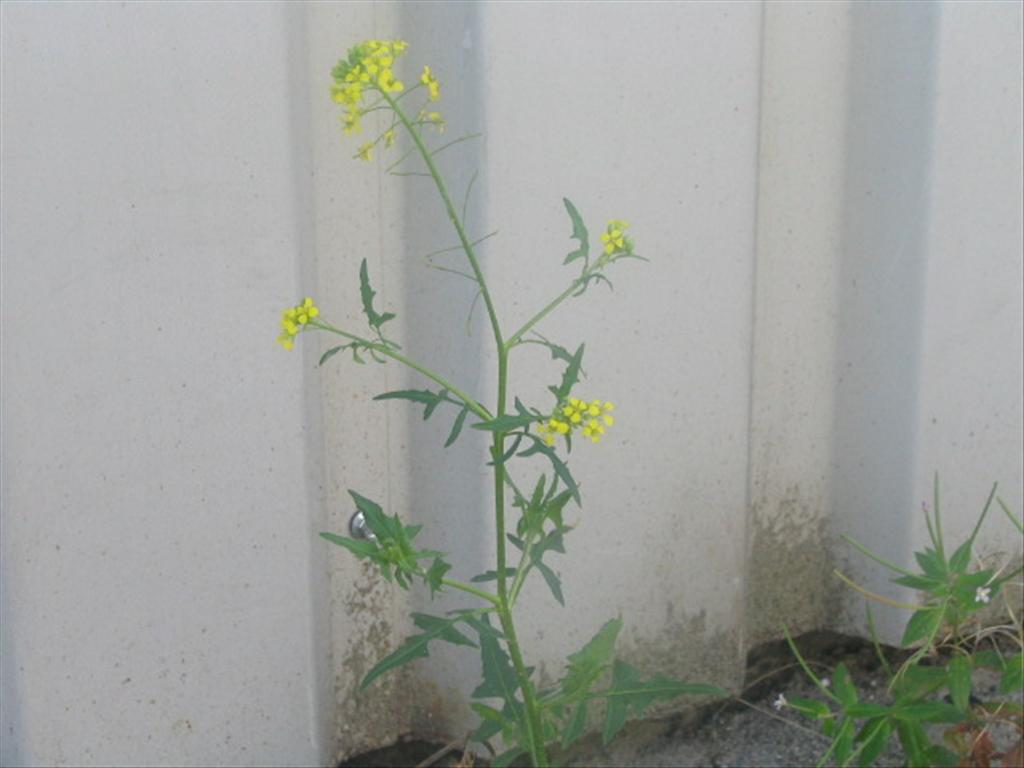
(747, 734)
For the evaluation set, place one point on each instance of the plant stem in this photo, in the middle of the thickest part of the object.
(387, 351)
(467, 246)
(518, 335)
(533, 724)
(471, 590)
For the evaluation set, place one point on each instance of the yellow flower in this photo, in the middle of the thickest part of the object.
(293, 321)
(351, 121)
(614, 237)
(365, 152)
(575, 413)
(389, 138)
(432, 118)
(433, 87)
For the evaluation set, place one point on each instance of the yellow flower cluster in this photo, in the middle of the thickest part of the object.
(433, 87)
(590, 418)
(431, 118)
(293, 319)
(614, 238)
(368, 66)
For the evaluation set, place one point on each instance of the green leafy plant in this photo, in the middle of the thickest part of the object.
(508, 701)
(932, 689)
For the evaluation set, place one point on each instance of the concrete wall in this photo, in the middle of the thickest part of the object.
(831, 198)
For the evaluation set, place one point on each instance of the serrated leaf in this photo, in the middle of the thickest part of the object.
(922, 624)
(491, 576)
(570, 376)
(560, 467)
(577, 724)
(383, 527)
(552, 580)
(491, 722)
(367, 293)
(457, 426)
(579, 232)
(629, 692)
(425, 396)
(958, 672)
(415, 646)
(359, 547)
(435, 575)
(590, 662)
(499, 678)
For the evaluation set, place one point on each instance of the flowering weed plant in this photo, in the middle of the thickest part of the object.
(509, 701)
(934, 685)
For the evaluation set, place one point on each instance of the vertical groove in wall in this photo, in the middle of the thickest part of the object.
(743, 629)
(319, 664)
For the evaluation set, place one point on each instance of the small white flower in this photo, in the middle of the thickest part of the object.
(983, 595)
(825, 682)
(779, 703)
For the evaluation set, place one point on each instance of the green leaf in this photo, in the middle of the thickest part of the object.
(429, 399)
(588, 663)
(917, 682)
(1013, 676)
(931, 564)
(367, 293)
(415, 647)
(553, 582)
(812, 708)
(457, 426)
(922, 583)
(865, 709)
(330, 353)
(576, 725)
(924, 623)
(359, 547)
(938, 756)
(844, 741)
(560, 467)
(505, 759)
(491, 575)
(500, 679)
(843, 686)
(435, 574)
(510, 421)
(375, 518)
(927, 712)
(961, 558)
(570, 376)
(873, 737)
(492, 722)
(579, 232)
(628, 691)
(914, 741)
(959, 673)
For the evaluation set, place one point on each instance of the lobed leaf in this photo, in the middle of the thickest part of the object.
(415, 646)
(367, 293)
(579, 232)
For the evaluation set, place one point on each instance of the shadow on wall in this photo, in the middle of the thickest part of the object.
(452, 501)
(881, 279)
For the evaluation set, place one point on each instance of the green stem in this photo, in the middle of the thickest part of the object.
(533, 724)
(516, 337)
(467, 246)
(471, 590)
(387, 351)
